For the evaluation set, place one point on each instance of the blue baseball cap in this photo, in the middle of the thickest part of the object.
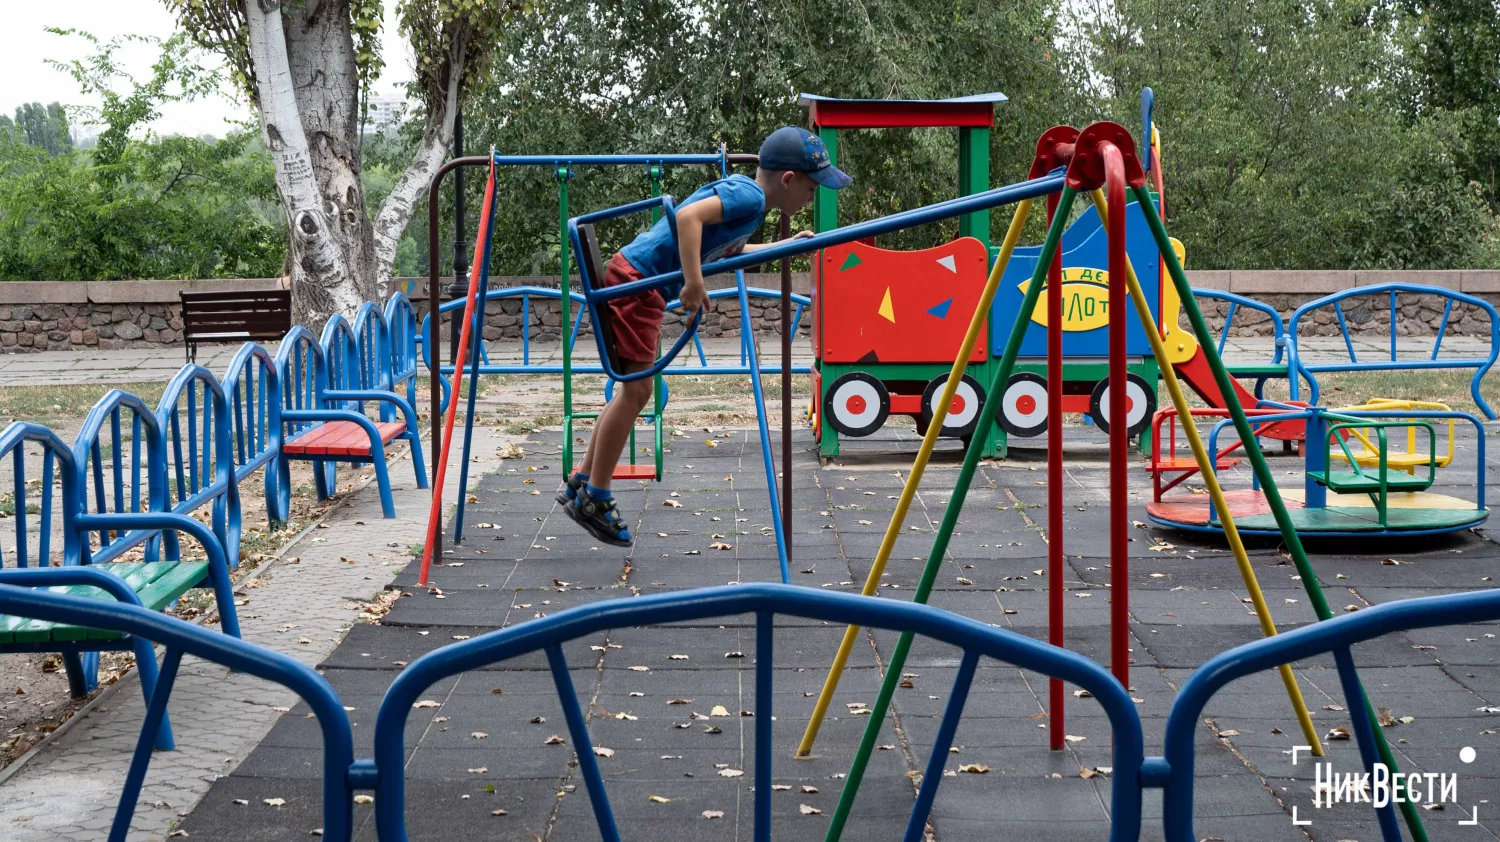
(799, 150)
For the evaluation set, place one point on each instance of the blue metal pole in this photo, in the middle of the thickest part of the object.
(477, 331)
(765, 432)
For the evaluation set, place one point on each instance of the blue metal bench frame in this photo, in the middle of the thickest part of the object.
(1309, 370)
(306, 404)
(357, 371)
(140, 626)
(401, 328)
(1237, 301)
(80, 658)
(974, 638)
(254, 391)
(194, 413)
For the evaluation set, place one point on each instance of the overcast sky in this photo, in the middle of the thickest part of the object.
(25, 47)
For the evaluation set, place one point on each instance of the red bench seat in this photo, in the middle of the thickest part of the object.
(341, 438)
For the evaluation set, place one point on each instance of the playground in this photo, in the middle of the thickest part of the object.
(896, 571)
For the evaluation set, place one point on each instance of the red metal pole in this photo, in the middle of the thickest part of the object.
(1055, 560)
(435, 514)
(1119, 445)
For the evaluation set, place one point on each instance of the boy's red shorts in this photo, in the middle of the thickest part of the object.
(636, 321)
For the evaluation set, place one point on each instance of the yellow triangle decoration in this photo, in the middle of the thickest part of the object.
(886, 310)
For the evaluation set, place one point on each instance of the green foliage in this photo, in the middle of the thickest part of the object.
(175, 77)
(1452, 52)
(171, 207)
(614, 76)
(1280, 148)
(42, 126)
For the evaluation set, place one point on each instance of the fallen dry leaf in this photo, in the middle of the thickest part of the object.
(713, 814)
(974, 768)
(808, 810)
(604, 752)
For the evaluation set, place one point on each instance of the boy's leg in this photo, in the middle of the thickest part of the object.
(612, 429)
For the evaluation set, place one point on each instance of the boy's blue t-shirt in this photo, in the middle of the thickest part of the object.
(654, 252)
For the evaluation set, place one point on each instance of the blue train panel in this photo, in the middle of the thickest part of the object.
(1085, 290)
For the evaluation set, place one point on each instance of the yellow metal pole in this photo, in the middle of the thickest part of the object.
(919, 465)
(1215, 491)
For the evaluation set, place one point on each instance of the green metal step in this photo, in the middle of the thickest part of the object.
(1349, 482)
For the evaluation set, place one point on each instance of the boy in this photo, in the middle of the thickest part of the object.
(714, 222)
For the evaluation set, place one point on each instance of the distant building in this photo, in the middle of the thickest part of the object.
(385, 113)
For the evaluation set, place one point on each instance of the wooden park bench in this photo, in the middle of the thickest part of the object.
(234, 316)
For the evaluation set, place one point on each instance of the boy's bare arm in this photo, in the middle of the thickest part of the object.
(800, 235)
(690, 222)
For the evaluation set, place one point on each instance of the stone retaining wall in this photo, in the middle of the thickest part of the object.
(107, 315)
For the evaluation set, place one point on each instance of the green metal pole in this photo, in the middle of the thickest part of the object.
(950, 517)
(1242, 427)
(564, 286)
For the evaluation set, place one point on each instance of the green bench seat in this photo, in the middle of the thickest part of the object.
(157, 583)
(1349, 482)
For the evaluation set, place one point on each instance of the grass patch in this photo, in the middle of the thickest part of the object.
(49, 404)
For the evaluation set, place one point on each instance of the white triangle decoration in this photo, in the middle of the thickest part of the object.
(949, 263)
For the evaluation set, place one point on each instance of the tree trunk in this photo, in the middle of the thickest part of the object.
(437, 139)
(324, 280)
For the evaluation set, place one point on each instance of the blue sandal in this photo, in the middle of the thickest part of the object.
(600, 517)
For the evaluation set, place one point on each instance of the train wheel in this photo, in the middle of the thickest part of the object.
(1140, 403)
(857, 404)
(963, 412)
(1023, 407)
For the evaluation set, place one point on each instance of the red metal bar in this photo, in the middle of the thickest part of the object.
(435, 514)
(1056, 579)
(1119, 445)
(891, 115)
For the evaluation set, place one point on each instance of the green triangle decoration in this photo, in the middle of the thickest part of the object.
(850, 262)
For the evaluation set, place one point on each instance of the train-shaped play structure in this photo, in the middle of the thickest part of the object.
(887, 324)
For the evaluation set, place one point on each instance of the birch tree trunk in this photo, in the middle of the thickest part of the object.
(322, 281)
(297, 60)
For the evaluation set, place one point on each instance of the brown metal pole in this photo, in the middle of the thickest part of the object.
(787, 329)
(434, 353)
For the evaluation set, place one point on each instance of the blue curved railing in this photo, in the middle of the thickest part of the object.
(1337, 636)
(194, 417)
(145, 445)
(401, 329)
(1237, 301)
(1481, 365)
(255, 414)
(973, 638)
(181, 638)
(1133, 772)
